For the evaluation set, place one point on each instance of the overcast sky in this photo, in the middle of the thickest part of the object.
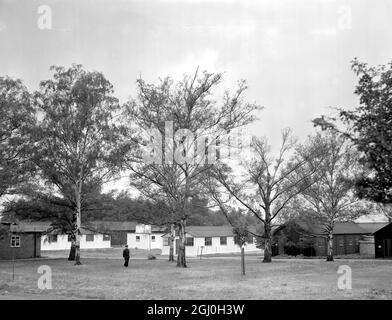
(295, 55)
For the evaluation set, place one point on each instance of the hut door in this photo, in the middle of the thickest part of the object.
(387, 247)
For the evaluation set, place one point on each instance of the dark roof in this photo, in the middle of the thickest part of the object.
(372, 227)
(83, 230)
(388, 225)
(210, 231)
(87, 228)
(130, 226)
(339, 228)
(26, 226)
(113, 225)
(348, 228)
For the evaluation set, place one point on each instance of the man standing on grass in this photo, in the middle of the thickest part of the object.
(126, 256)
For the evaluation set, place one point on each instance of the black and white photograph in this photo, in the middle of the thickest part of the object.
(195, 150)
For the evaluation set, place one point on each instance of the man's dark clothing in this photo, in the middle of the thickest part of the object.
(126, 257)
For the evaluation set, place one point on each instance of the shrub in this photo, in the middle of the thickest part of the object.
(292, 249)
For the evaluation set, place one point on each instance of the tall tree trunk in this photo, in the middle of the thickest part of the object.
(267, 242)
(330, 246)
(181, 261)
(71, 256)
(78, 223)
(171, 242)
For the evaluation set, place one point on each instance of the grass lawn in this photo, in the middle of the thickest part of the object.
(109, 253)
(209, 278)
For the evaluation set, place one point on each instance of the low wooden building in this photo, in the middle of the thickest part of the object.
(20, 240)
(135, 235)
(118, 230)
(89, 239)
(207, 240)
(146, 237)
(309, 239)
(383, 242)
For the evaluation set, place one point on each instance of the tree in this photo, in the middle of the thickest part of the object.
(268, 184)
(16, 118)
(241, 233)
(386, 209)
(43, 207)
(79, 138)
(39, 205)
(202, 215)
(184, 122)
(330, 198)
(368, 126)
(159, 184)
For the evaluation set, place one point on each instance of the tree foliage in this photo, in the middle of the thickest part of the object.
(369, 127)
(175, 176)
(331, 197)
(16, 118)
(79, 139)
(267, 186)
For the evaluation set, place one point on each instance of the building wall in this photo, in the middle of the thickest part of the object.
(383, 242)
(30, 247)
(98, 242)
(342, 244)
(199, 247)
(366, 246)
(118, 238)
(346, 244)
(63, 243)
(320, 246)
(146, 240)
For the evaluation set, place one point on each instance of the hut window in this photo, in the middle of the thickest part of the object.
(223, 241)
(89, 237)
(165, 241)
(137, 238)
(106, 237)
(208, 241)
(341, 243)
(153, 238)
(189, 242)
(52, 238)
(15, 241)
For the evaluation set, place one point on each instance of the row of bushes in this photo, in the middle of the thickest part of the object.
(295, 249)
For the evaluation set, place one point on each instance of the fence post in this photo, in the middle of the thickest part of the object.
(243, 260)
